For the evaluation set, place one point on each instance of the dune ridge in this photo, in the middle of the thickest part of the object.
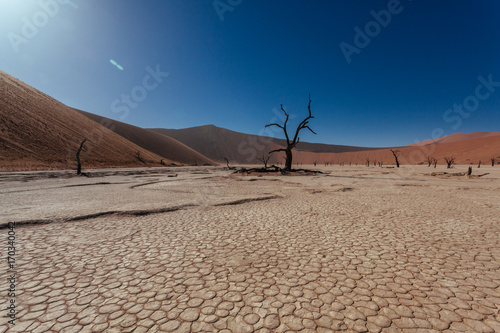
(157, 143)
(38, 132)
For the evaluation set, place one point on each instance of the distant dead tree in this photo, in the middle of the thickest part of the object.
(78, 162)
(449, 161)
(314, 163)
(435, 162)
(380, 163)
(264, 159)
(396, 154)
(290, 144)
(227, 163)
(469, 172)
(479, 164)
(492, 161)
(139, 157)
(430, 159)
(367, 162)
(162, 163)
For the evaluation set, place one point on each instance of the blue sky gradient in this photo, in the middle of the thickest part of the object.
(232, 62)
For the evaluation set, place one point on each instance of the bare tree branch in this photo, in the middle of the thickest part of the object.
(277, 150)
(310, 129)
(291, 144)
(274, 124)
(304, 122)
(396, 154)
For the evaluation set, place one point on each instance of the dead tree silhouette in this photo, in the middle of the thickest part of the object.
(290, 144)
(78, 162)
(264, 159)
(396, 154)
(449, 161)
(139, 158)
(429, 160)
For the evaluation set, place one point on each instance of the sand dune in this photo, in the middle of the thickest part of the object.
(154, 142)
(465, 152)
(217, 143)
(38, 132)
(455, 137)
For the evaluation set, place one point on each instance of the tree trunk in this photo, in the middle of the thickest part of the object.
(78, 162)
(288, 163)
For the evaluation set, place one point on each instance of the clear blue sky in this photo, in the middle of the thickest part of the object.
(233, 72)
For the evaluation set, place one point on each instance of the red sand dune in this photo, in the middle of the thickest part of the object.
(455, 137)
(217, 143)
(38, 132)
(154, 142)
(464, 152)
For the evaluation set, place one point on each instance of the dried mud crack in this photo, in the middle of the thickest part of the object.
(242, 201)
(135, 212)
(229, 257)
(101, 214)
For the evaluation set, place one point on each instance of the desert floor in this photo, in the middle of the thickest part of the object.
(358, 249)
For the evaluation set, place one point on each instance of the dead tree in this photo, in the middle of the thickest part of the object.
(78, 162)
(290, 144)
(396, 154)
(139, 158)
(449, 161)
(264, 159)
(227, 163)
(367, 162)
(435, 162)
(429, 160)
(479, 165)
(469, 172)
(493, 161)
